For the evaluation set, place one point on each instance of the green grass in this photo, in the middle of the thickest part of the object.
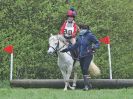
(4, 84)
(19, 93)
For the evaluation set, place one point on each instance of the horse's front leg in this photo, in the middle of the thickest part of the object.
(68, 79)
(66, 85)
(69, 71)
(65, 78)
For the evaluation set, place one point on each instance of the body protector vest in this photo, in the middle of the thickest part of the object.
(69, 30)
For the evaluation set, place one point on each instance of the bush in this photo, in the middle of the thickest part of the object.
(28, 24)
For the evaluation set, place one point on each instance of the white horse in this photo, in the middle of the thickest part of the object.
(65, 60)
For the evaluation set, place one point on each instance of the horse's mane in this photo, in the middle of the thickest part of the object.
(58, 37)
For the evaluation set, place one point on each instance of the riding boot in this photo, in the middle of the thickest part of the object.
(87, 84)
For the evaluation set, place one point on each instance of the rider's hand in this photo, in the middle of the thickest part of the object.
(64, 50)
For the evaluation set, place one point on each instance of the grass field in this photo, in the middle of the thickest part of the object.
(44, 93)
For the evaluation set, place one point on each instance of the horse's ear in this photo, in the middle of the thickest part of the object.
(51, 34)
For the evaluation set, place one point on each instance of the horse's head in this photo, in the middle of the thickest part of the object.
(53, 44)
(56, 43)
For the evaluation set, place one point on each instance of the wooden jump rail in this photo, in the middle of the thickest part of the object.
(59, 83)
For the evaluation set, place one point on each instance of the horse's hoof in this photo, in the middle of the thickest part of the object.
(73, 88)
(65, 89)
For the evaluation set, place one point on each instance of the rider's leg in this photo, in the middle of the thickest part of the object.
(73, 40)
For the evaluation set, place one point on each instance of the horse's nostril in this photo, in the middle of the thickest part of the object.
(50, 52)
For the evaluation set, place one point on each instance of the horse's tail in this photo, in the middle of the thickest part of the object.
(94, 70)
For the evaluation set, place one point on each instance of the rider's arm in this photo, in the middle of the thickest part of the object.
(62, 28)
(76, 30)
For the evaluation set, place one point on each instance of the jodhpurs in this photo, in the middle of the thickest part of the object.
(85, 62)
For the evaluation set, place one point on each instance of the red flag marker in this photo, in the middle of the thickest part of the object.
(105, 40)
(8, 49)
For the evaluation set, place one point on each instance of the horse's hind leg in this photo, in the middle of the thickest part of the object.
(74, 80)
(75, 66)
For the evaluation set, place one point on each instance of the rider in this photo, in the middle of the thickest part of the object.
(69, 28)
(86, 43)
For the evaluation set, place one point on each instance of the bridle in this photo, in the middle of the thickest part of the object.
(57, 49)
